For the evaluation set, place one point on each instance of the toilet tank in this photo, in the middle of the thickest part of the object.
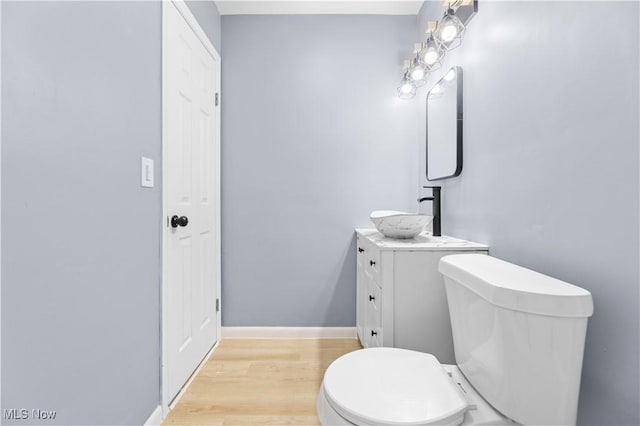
(518, 336)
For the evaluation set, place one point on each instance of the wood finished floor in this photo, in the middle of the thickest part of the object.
(259, 382)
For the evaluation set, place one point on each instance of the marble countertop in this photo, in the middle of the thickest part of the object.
(423, 241)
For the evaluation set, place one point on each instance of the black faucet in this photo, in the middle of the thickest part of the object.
(437, 231)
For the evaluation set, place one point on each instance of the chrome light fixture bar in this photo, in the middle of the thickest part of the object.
(465, 9)
(443, 36)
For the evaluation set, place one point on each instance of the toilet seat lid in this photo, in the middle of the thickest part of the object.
(393, 387)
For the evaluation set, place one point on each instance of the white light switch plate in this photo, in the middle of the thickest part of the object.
(146, 172)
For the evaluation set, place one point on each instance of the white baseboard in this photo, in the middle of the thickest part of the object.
(155, 418)
(288, 332)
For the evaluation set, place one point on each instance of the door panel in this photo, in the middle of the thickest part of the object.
(192, 191)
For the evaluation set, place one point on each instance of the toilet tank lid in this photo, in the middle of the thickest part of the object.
(514, 287)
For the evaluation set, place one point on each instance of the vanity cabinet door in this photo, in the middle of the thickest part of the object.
(368, 294)
(369, 313)
(361, 287)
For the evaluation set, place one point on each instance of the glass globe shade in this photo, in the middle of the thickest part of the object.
(417, 73)
(406, 88)
(431, 56)
(448, 32)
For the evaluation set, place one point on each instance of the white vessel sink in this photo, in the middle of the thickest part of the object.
(395, 224)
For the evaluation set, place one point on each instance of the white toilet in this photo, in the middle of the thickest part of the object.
(518, 340)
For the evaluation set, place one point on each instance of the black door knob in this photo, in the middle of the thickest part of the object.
(360, 250)
(373, 333)
(371, 298)
(371, 262)
(179, 221)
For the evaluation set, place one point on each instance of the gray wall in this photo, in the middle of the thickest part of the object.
(313, 139)
(81, 98)
(81, 258)
(550, 177)
(207, 15)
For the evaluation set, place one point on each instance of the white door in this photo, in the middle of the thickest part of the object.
(192, 200)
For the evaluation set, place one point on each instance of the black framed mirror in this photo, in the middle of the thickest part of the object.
(444, 127)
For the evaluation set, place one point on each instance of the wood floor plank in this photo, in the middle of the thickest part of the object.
(271, 420)
(259, 382)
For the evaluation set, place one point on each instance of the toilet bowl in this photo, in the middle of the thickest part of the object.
(518, 341)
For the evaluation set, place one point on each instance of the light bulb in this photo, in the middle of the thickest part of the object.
(450, 75)
(448, 32)
(406, 88)
(417, 73)
(431, 56)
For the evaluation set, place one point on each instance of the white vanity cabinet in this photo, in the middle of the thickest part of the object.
(401, 300)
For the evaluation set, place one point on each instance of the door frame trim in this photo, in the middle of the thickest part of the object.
(183, 9)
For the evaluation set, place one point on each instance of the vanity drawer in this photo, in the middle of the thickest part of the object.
(368, 256)
(372, 261)
(375, 338)
(375, 300)
(373, 335)
(373, 323)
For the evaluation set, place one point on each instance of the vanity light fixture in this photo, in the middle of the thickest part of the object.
(450, 30)
(443, 35)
